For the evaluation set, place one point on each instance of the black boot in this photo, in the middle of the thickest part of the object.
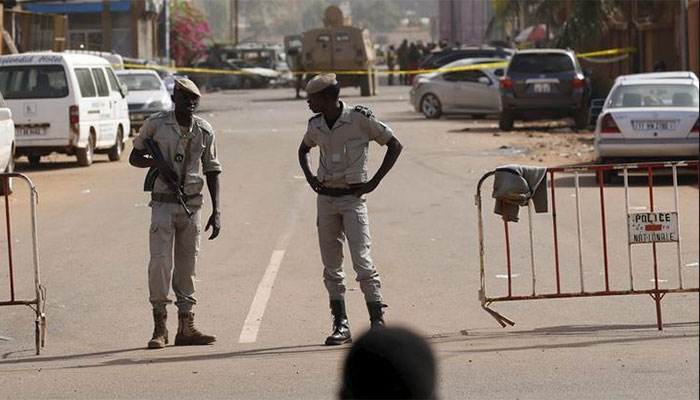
(376, 314)
(341, 329)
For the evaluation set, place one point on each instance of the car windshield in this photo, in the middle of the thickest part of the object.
(136, 82)
(33, 82)
(655, 95)
(541, 63)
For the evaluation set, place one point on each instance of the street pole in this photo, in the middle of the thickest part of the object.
(166, 35)
(233, 22)
(684, 34)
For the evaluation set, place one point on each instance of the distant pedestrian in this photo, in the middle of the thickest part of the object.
(392, 363)
(343, 134)
(391, 62)
(402, 56)
(414, 57)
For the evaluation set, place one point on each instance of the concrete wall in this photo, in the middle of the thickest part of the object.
(464, 20)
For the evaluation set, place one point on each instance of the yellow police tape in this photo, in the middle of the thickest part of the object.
(601, 53)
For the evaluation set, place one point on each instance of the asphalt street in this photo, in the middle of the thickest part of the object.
(260, 286)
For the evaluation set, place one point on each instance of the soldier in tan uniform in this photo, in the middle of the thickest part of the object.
(186, 143)
(343, 134)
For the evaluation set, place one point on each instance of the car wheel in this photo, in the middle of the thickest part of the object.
(505, 122)
(85, 154)
(581, 118)
(430, 106)
(34, 160)
(115, 152)
(10, 168)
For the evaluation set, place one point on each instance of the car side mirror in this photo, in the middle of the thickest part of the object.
(5, 114)
(123, 90)
(485, 80)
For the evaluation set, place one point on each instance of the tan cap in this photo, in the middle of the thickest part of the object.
(320, 82)
(188, 86)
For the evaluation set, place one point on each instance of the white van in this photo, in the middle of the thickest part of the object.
(65, 103)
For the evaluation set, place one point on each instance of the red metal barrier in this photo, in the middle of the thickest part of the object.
(39, 301)
(665, 231)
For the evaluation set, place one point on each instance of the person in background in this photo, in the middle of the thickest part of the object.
(391, 62)
(402, 57)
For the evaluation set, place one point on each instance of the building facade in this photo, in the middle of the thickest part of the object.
(131, 28)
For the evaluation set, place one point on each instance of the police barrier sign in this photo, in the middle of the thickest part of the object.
(653, 227)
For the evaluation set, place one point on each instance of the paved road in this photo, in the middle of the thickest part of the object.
(93, 247)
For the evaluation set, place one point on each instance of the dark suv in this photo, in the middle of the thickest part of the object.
(544, 83)
(440, 58)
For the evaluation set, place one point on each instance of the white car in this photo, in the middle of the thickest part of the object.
(7, 144)
(471, 91)
(649, 119)
(147, 94)
(64, 103)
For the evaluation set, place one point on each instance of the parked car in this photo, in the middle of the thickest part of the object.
(648, 118)
(543, 84)
(255, 77)
(7, 144)
(473, 91)
(215, 81)
(437, 59)
(147, 94)
(64, 103)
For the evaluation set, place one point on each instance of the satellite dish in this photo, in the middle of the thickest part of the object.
(333, 16)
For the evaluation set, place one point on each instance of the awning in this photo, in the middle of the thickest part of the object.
(84, 7)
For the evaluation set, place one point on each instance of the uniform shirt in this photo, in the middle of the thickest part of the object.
(344, 148)
(166, 132)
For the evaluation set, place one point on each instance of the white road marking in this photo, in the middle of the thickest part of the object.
(692, 265)
(249, 334)
(251, 326)
(505, 276)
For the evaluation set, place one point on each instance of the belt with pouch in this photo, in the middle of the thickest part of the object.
(170, 197)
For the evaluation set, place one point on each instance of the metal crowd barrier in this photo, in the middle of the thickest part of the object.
(38, 303)
(643, 228)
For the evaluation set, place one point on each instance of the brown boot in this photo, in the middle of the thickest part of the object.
(160, 331)
(187, 334)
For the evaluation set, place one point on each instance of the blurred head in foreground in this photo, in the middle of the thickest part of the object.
(390, 363)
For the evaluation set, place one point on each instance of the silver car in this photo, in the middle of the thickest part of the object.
(468, 91)
(648, 119)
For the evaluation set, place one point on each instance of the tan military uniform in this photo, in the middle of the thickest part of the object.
(343, 162)
(170, 225)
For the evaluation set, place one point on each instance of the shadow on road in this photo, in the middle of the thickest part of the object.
(143, 356)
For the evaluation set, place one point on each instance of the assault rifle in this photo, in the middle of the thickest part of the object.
(152, 175)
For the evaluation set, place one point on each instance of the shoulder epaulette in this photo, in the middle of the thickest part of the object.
(363, 110)
(158, 115)
(315, 116)
(204, 125)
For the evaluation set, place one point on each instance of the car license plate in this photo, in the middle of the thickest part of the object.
(654, 125)
(541, 88)
(30, 131)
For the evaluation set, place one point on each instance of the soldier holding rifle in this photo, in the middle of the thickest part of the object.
(174, 144)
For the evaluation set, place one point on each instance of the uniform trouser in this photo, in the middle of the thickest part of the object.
(173, 233)
(338, 218)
